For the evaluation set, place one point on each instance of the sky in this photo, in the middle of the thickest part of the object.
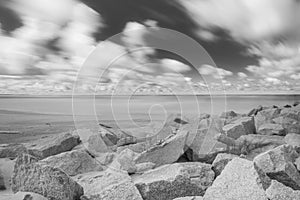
(46, 45)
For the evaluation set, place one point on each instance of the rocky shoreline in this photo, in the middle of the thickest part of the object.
(252, 156)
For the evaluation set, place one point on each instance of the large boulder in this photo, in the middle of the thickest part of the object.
(221, 161)
(125, 161)
(50, 146)
(153, 133)
(6, 169)
(293, 112)
(108, 185)
(254, 111)
(95, 145)
(229, 114)
(165, 153)
(278, 191)
(24, 196)
(239, 180)
(201, 139)
(31, 176)
(176, 180)
(271, 129)
(242, 126)
(290, 125)
(73, 162)
(266, 116)
(11, 150)
(2, 183)
(292, 139)
(251, 145)
(278, 164)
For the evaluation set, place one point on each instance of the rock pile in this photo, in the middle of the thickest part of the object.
(254, 156)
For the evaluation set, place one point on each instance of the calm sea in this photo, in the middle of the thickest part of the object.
(155, 107)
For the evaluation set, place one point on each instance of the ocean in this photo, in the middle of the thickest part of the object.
(125, 107)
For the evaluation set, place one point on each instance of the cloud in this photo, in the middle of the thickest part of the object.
(295, 76)
(134, 35)
(174, 65)
(68, 23)
(246, 20)
(274, 81)
(217, 73)
(242, 75)
(276, 65)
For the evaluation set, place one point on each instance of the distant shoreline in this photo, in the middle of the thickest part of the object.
(150, 95)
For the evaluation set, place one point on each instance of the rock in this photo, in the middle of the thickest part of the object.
(142, 167)
(239, 180)
(271, 129)
(228, 114)
(31, 176)
(293, 113)
(201, 139)
(138, 147)
(50, 146)
(11, 150)
(221, 161)
(290, 125)
(175, 180)
(2, 183)
(297, 163)
(266, 116)
(73, 162)
(250, 145)
(25, 196)
(96, 145)
(242, 126)
(127, 141)
(190, 198)
(278, 191)
(125, 161)
(292, 139)
(287, 106)
(6, 169)
(167, 152)
(254, 111)
(108, 185)
(296, 104)
(105, 158)
(278, 164)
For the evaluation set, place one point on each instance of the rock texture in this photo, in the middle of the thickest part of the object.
(242, 126)
(108, 185)
(190, 198)
(2, 183)
(53, 145)
(239, 180)
(176, 180)
(25, 196)
(167, 152)
(292, 139)
(31, 176)
(221, 161)
(125, 161)
(73, 162)
(278, 164)
(11, 150)
(278, 191)
(96, 145)
(271, 129)
(266, 116)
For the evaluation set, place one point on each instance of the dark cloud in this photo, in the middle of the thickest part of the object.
(9, 20)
